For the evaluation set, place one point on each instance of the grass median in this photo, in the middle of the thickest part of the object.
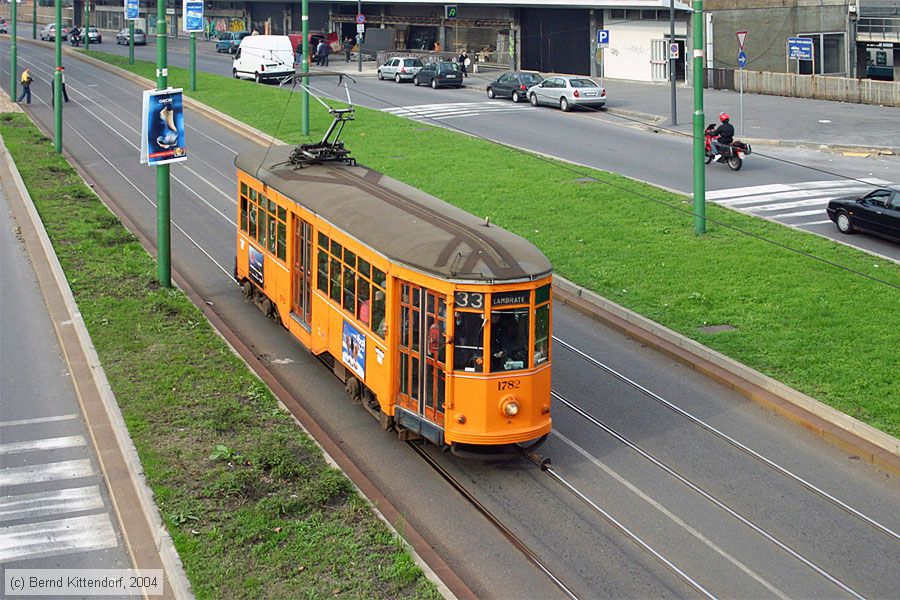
(826, 327)
(254, 510)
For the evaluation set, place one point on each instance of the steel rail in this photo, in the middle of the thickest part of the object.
(709, 497)
(740, 446)
(547, 468)
(507, 533)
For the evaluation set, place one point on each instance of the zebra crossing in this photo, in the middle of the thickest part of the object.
(50, 498)
(798, 204)
(437, 112)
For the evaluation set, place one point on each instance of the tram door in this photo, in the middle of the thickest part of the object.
(302, 288)
(423, 354)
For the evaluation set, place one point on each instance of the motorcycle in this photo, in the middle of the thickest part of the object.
(732, 155)
(75, 39)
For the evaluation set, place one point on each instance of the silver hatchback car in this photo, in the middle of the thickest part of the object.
(567, 92)
(400, 68)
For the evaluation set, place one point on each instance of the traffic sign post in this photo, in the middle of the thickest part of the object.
(742, 62)
(673, 51)
(360, 19)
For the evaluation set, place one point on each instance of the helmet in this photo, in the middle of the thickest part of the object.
(723, 117)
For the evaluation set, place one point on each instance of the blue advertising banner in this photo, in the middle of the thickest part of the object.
(162, 128)
(193, 15)
(256, 265)
(353, 350)
(131, 9)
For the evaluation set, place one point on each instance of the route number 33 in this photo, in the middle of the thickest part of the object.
(469, 300)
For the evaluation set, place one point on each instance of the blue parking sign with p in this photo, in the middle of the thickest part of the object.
(603, 37)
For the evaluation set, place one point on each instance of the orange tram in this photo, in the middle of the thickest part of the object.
(438, 322)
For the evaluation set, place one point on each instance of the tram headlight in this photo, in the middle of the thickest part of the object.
(509, 407)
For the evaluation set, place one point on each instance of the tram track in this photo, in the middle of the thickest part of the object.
(731, 441)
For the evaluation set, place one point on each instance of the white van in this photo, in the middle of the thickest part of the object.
(262, 57)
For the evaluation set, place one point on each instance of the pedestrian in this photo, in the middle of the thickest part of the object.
(348, 47)
(463, 60)
(62, 86)
(255, 32)
(320, 53)
(26, 80)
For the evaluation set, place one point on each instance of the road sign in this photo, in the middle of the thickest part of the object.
(800, 48)
(603, 38)
(131, 9)
(741, 36)
(360, 28)
(360, 19)
(742, 59)
(451, 11)
(673, 50)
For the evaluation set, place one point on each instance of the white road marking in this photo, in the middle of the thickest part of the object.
(638, 492)
(41, 504)
(71, 441)
(61, 536)
(68, 469)
(421, 112)
(802, 213)
(37, 420)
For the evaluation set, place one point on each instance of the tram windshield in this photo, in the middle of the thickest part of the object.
(468, 352)
(509, 339)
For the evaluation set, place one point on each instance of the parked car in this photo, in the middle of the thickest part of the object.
(877, 212)
(566, 92)
(439, 74)
(4, 26)
(48, 33)
(400, 69)
(513, 84)
(140, 37)
(228, 41)
(263, 57)
(93, 35)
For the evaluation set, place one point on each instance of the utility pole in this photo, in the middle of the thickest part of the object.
(33, 20)
(131, 41)
(359, 36)
(13, 54)
(304, 68)
(57, 81)
(163, 227)
(193, 61)
(87, 22)
(699, 118)
(674, 118)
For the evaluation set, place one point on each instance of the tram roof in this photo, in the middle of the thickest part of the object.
(399, 221)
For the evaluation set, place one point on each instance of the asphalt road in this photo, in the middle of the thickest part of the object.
(702, 534)
(55, 512)
(767, 185)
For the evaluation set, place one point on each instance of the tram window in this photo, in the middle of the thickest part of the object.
(251, 229)
(335, 282)
(542, 294)
(282, 214)
(323, 271)
(414, 388)
(378, 278)
(363, 309)
(281, 251)
(364, 268)
(336, 249)
(243, 212)
(541, 334)
(468, 351)
(272, 207)
(273, 227)
(243, 189)
(509, 339)
(440, 392)
(415, 326)
(253, 194)
(349, 285)
(378, 313)
(323, 241)
(429, 387)
(350, 258)
(263, 203)
(261, 230)
(404, 374)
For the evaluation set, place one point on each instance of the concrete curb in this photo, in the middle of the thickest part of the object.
(168, 555)
(886, 444)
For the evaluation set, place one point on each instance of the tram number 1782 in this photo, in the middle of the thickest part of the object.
(509, 384)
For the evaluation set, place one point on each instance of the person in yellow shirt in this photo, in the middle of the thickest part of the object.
(26, 80)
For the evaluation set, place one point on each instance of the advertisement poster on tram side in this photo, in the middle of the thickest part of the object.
(162, 127)
(256, 264)
(353, 350)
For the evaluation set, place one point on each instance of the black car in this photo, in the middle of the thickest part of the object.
(877, 213)
(439, 74)
(513, 84)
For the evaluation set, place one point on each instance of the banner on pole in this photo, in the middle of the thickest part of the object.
(131, 9)
(162, 127)
(192, 12)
